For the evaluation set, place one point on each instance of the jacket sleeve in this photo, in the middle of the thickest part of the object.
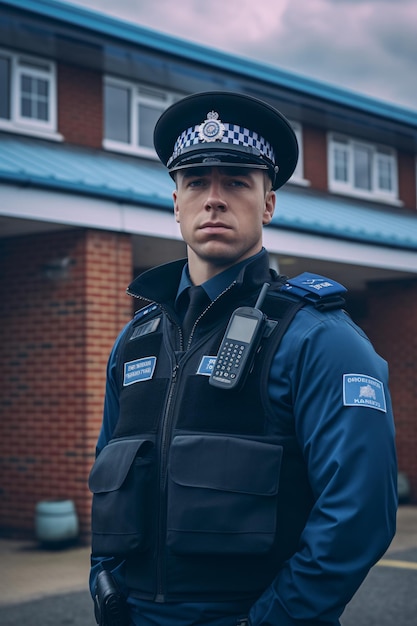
(346, 432)
(110, 417)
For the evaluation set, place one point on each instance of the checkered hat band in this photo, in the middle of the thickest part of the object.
(233, 134)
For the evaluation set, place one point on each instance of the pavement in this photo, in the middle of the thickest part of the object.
(30, 572)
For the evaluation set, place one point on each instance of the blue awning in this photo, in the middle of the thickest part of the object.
(71, 169)
(335, 216)
(114, 28)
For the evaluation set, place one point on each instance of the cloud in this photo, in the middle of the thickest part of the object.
(236, 20)
(368, 46)
(215, 22)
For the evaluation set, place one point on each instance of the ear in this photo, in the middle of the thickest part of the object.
(176, 209)
(269, 208)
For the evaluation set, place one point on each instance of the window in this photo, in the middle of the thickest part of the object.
(27, 93)
(298, 175)
(5, 74)
(362, 169)
(130, 115)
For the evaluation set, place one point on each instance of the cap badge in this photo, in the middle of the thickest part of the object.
(212, 128)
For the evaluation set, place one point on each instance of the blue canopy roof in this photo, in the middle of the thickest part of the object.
(71, 169)
(127, 32)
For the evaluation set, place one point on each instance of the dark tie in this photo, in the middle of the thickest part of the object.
(199, 300)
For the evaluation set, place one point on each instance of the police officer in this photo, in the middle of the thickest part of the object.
(264, 502)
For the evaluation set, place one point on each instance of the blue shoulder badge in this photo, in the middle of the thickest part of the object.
(363, 390)
(313, 287)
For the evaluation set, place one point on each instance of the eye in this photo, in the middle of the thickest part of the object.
(238, 182)
(195, 182)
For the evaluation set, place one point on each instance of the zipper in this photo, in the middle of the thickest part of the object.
(165, 439)
(164, 445)
(204, 312)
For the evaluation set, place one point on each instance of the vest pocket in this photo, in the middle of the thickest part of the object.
(120, 481)
(222, 495)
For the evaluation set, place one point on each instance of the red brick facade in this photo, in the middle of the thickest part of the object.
(315, 157)
(407, 183)
(80, 109)
(392, 327)
(55, 337)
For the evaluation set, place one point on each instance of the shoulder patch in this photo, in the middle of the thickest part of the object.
(363, 390)
(313, 287)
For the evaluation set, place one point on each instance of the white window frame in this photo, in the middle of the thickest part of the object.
(35, 67)
(348, 187)
(138, 96)
(298, 176)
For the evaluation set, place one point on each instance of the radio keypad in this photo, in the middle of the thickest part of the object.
(229, 359)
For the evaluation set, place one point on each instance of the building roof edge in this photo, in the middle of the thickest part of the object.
(133, 33)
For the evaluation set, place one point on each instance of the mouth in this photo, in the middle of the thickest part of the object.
(214, 226)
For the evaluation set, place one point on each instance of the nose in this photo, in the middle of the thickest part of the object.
(214, 200)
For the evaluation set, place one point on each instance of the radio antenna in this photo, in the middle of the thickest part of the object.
(262, 295)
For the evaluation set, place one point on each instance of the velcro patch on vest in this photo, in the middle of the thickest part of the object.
(145, 329)
(313, 286)
(206, 365)
(139, 370)
(362, 390)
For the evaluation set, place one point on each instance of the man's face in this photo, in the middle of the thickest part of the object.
(221, 212)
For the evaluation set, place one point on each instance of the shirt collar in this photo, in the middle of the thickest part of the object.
(216, 285)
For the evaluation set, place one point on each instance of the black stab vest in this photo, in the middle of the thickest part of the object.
(202, 490)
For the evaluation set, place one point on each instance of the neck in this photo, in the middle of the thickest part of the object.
(201, 270)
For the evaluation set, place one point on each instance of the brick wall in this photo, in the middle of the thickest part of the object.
(315, 157)
(392, 324)
(407, 183)
(80, 105)
(55, 336)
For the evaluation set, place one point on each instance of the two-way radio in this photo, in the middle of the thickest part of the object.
(239, 345)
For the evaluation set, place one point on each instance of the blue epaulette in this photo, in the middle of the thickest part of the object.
(141, 325)
(141, 313)
(319, 290)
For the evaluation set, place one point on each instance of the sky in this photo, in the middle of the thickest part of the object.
(365, 46)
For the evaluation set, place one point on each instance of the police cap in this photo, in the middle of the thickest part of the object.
(218, 128)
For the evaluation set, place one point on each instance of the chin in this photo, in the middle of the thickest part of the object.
(221, 260)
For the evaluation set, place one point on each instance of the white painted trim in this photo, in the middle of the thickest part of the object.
(81, 211)
(302, 245)
(84, 212)
(30, 131)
